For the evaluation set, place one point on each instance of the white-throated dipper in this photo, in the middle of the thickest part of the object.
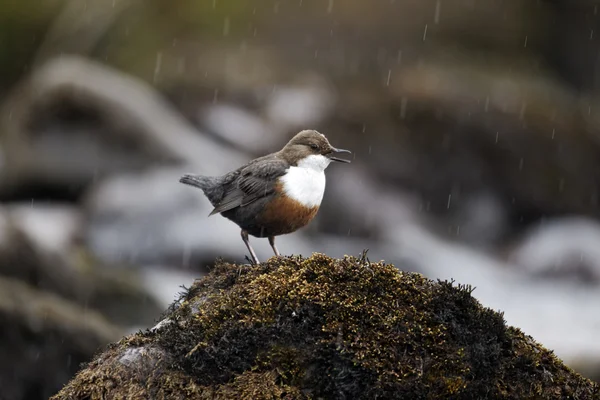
(275, 194)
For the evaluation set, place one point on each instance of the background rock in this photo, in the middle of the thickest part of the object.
(41, 246)
(44, 340)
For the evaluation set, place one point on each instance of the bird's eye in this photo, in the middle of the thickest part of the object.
(314, 146)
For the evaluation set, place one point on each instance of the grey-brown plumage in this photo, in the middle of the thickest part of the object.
(257, 197)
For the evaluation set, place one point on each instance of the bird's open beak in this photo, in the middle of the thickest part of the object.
(335, 151)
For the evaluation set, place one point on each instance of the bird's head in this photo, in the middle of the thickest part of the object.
(311, 149)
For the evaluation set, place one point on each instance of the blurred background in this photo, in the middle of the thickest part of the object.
(475, 128)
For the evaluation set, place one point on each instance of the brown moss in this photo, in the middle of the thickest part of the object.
(318, 327)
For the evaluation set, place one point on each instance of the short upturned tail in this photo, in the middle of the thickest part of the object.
(210, 185)
(198, 181)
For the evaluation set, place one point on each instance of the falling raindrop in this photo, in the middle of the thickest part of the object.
(522, 111)
(226, 26)
(403, 103)
(158, 66)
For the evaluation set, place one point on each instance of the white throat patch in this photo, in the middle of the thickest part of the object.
(306, 182)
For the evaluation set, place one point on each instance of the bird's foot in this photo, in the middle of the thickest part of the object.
(252, 261)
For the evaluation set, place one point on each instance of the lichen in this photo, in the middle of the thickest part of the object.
(318, 327)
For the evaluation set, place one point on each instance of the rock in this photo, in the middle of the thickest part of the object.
(560, 248)
(53, 228)
(463, 128)
(74, 121)
(285, 108)
(295, 106)
(324, 328)
(240, 128)
(40, 244)
(44, 339)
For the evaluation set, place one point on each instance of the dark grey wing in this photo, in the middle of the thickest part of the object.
(255, 181)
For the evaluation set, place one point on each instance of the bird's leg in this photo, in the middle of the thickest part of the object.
(272, 243)
(247, 242)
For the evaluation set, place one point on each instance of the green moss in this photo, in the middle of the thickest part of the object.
(318, 327)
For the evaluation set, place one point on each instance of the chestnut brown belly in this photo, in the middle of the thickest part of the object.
(272, 216)
(284, 215)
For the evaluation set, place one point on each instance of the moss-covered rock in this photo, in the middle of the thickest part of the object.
(299, 328)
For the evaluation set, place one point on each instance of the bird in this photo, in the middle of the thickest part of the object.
(272, 195)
